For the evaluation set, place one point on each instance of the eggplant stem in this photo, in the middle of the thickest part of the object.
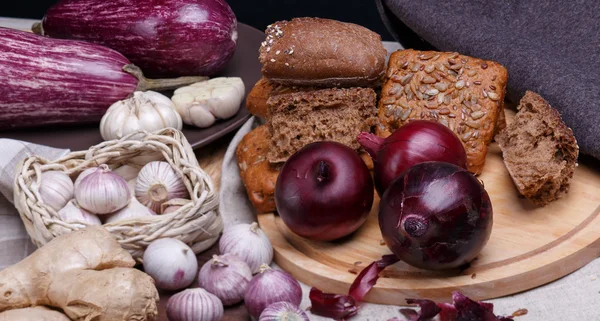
(37, 28)
(160, 84)
(371, 143)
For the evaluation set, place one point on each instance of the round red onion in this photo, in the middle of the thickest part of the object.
(270, 286)
(436, 216)
(194, 305)
(164, 38)
(283, 311)
(225, 276)
(416, 142)
(324, 191)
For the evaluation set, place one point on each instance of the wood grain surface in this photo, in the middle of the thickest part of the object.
(529, 246)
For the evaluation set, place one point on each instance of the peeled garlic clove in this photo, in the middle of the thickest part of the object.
(102, 191)
(56, 189)
(171, 263)
(194, 305)
(72, 213)
(133, 210)
(249, 243)
(200, 104)
(157, 183)
(148, 110)
(225, 276)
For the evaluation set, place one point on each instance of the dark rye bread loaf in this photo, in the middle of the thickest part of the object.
(539, 150)
(300, 118)
(322, 52)
(256, 102)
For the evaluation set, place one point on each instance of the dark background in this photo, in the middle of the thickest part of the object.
(257, 13)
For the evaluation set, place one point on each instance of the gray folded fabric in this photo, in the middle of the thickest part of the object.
(551, 47)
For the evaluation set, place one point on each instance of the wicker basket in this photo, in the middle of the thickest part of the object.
(197, 223)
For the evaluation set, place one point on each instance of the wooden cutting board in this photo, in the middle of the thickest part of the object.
(529, 246)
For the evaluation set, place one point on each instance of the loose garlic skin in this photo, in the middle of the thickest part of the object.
(145, 110)
(158, 183)
(202, 103)
(56, 189)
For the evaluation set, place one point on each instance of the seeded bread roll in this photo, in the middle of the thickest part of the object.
(539, 151)
(464, 93)
(258, 175)
(322, 52)
(339, 115)
(256, 102)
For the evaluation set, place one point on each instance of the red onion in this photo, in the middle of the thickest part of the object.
(436, 216)
(166, 38)
(416, 142)
(51, 81)
(324, 191)
(270, 286)
(283, 311)
(225, 276)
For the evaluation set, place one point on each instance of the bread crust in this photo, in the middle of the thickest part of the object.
(539, 150)
(258, 175)
(464, 93)
(323, 53)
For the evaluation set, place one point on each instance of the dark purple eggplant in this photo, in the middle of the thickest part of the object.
(51, 81)
(165, 38)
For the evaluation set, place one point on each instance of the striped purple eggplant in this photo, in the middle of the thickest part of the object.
(51, 81)
(165, 38)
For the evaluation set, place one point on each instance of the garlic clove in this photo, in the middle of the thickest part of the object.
(56, 189)
(194, 305)
(171, 263)
(72, 213)
(249, 243)
(102, 191)
(200, 104)
(133, 210)
(158, 183)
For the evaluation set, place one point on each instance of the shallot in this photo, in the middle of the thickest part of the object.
(194, 305)
(171, 263)
(270, 286)
(249, 243)
(56, 189)
(225, 276)
(101, 191)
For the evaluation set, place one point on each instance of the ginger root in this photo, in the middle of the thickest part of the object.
(87, 274)
(107, 295)
(33, 314)
(26, 283)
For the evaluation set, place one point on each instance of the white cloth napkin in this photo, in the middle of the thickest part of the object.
(14, 241)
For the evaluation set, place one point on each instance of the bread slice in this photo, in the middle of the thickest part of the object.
(258, 175)
(539, 150)
(300, 118)
(322, 52)
(464, 93)
(256, 102)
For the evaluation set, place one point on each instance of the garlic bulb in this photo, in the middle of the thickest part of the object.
(102, 191)
(87, 172)
(157, 183)
(171, 263)
(147, 110)
(225, 276)
(194, 305)
(283, 311)
(249, 243)
(128, 172)
(271, 286)
(56, 189)
(133, 210)
(202, 103)
(72, 213)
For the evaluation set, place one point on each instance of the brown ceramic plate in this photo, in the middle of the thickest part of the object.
(244, 64)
